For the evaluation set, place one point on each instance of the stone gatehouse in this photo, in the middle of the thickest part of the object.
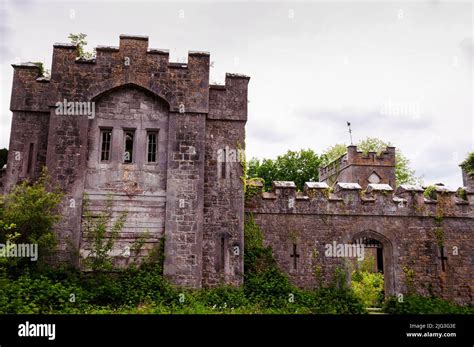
(146, 132)
(163, 144)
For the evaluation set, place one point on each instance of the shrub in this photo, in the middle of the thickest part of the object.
(223, 297)
(40, 294)
(28, 215)
(416, 304)
(368, 286)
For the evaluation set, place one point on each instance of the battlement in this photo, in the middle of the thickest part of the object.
(364, 168)
(182, 85)
(350, 198)
(229, 101)
(356, 157)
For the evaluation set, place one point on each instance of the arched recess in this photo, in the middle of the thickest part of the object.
(388, 257)
(105, 88)
(135, 116)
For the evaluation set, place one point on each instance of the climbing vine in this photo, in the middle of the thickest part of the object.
(243, 165)
(409, 279)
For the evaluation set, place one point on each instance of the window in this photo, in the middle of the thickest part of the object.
(152, 138)
(105, 138)
(128, 154)
(223, 254)
(224, 164)
(29, 166)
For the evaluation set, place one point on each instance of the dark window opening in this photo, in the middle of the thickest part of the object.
(222, 260)
(29, 166)
(105, 138)
(443, 258)
(295, 257)
(223, 163)
(128, 154)
(380, 260)
(152, 146)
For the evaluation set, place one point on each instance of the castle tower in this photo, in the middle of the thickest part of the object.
(132, 126)
(357, 167)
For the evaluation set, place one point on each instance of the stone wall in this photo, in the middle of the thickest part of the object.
(185, 199)
(407, 225)
(223, 241)
(136, 87)
(28, 147)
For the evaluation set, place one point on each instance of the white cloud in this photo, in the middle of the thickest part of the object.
(310, 72)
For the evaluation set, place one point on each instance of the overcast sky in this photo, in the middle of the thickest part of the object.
(400, 71)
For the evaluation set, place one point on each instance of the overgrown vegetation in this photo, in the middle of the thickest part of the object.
(367, 284)
(27, 216)
(430, 193)
(142, 288)
(468, 165)
(101, 237)
(416, 304)
(80, 41)
(300, 167)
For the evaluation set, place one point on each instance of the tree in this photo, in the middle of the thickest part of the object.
(80, 41)
(403, 172)
(332, 153)
(300, 167)
(3, 157)
(468, 164)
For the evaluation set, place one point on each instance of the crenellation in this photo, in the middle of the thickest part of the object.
(376, 199)
(362, 168)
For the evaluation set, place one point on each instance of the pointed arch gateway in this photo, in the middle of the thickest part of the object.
(384, 255)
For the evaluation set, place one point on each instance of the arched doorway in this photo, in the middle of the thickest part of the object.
(374, 249)
(380, 247)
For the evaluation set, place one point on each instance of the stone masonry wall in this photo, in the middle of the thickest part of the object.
(224, 204)
(185, 199)
(223, 239)
(407, 227)
(29, 131)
